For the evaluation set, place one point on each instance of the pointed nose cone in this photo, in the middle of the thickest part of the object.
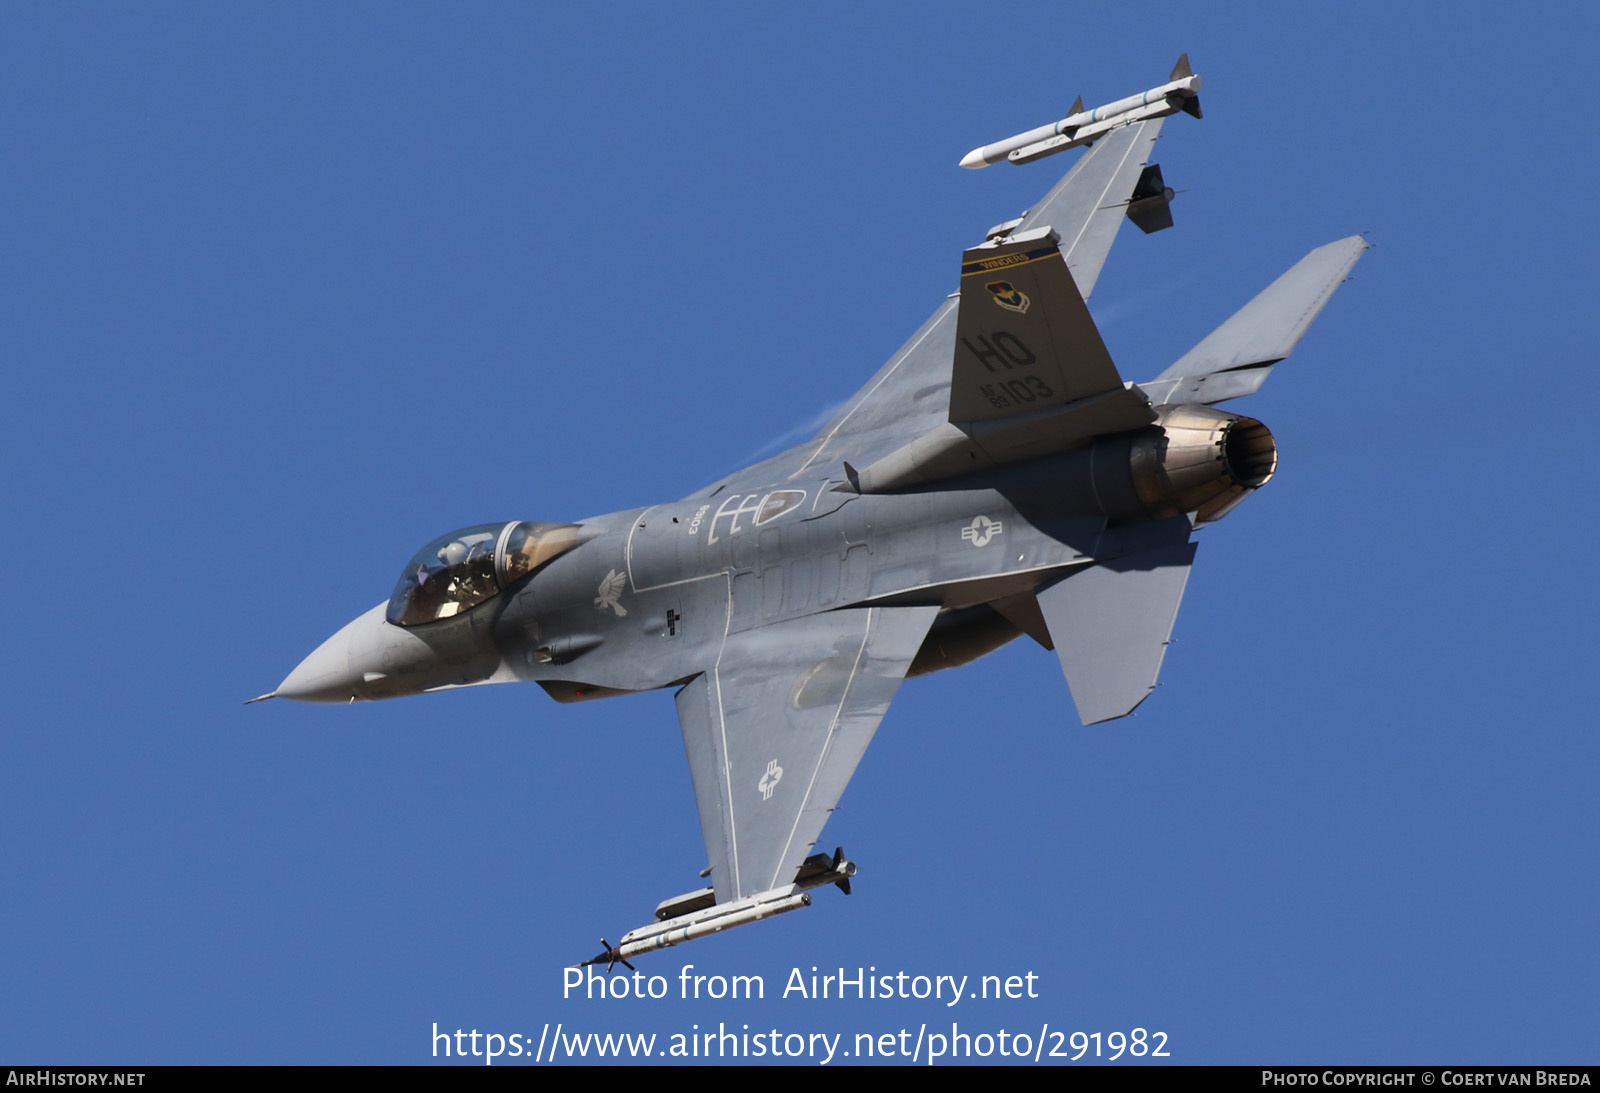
(326, 675)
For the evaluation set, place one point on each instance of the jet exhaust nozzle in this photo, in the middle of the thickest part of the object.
(1201, 460)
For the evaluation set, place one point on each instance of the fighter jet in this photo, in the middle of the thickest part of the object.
(998, 477)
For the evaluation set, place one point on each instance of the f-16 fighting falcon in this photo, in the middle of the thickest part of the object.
(998, 477)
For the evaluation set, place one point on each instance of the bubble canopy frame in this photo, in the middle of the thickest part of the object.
(457, 572)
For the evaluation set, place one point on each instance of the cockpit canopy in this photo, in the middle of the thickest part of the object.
(458, 571)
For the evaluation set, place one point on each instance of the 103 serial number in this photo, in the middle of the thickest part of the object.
(1137, 1043)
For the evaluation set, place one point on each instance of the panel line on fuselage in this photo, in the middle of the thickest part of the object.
(627, 561)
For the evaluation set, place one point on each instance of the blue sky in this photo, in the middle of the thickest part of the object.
(290, 290)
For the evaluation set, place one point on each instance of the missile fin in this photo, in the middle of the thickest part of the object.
(1077, 106)
(1181, 70)
(1191, 106)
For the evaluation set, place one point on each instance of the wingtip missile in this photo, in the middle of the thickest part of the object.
(1080, 126)
(711, 920)
(696, 914)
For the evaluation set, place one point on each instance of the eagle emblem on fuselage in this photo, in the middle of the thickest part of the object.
(610, 592)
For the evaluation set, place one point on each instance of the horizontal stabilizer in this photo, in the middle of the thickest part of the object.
(1110, 624)
(1235, 359)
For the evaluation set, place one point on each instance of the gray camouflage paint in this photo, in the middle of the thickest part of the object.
(788, 601)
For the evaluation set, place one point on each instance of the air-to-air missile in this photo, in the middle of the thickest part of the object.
(1181, 92)
(697, 914)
